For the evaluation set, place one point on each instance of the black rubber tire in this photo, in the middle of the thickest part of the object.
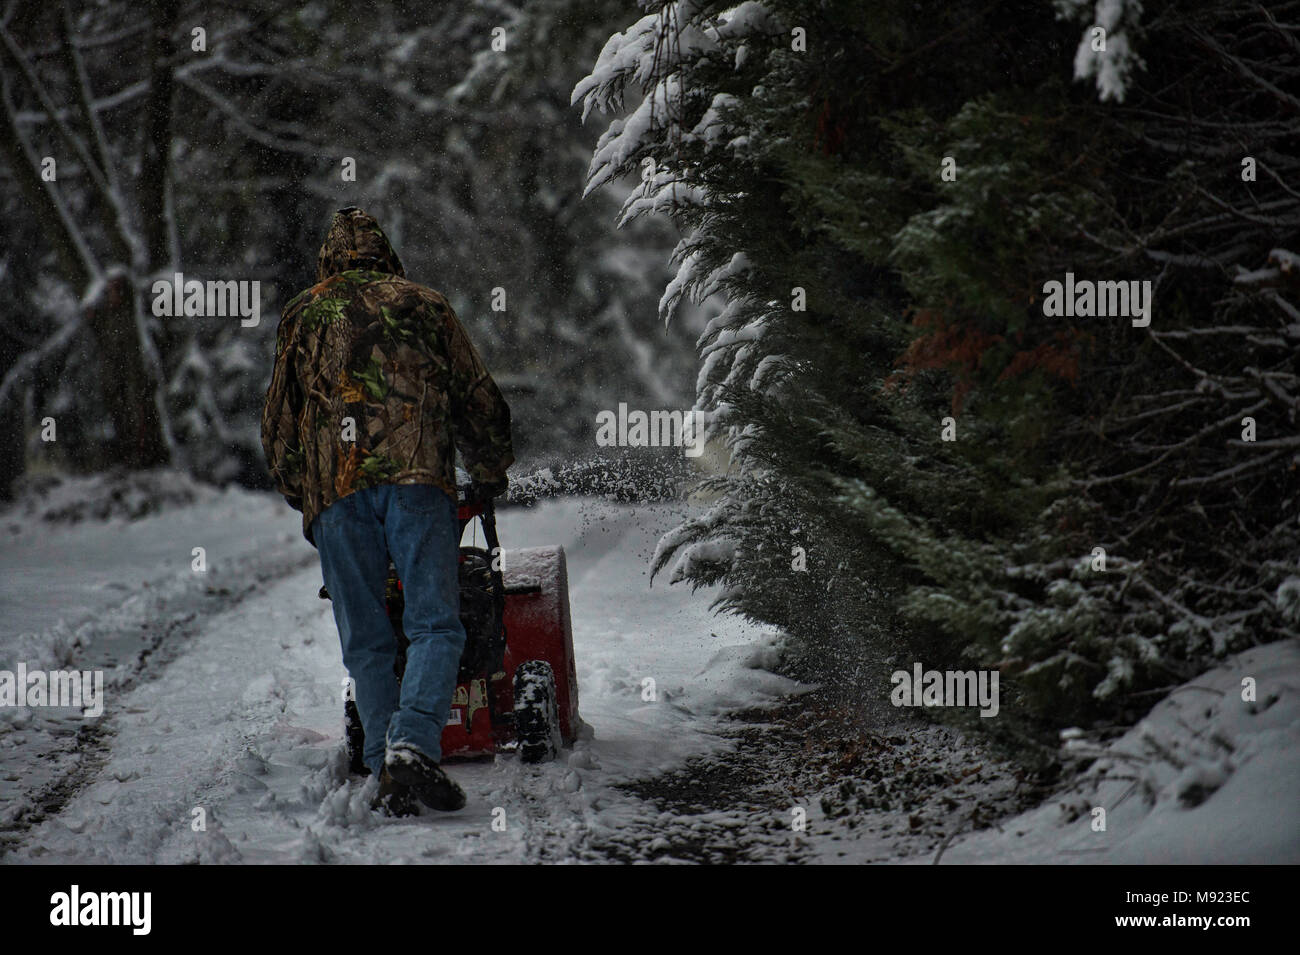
(537, 713)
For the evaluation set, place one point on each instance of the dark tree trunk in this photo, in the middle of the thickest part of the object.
(128, 387)
(12, 426)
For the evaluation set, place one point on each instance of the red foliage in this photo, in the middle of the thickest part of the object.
(829, 137)
(1058, 358)
(960, 349)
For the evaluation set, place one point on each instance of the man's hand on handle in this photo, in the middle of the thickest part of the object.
(480, 492)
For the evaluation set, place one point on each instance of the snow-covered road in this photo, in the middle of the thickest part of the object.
(221, 733)
(233, 718)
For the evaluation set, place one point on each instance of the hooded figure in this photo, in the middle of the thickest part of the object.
(375, 387)
(374, 381)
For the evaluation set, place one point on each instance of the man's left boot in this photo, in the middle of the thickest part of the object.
(429, 784)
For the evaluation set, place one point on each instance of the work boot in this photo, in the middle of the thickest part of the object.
(410, 767)
(394, 799)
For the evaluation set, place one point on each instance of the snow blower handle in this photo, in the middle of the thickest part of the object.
(497, 645)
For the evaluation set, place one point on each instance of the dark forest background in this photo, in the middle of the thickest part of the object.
(227, 163)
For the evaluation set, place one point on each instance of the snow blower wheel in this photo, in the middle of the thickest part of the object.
(537, 715)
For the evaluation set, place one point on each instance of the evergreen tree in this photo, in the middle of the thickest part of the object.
(881, 192)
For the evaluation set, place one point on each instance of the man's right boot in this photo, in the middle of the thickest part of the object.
(393, 798)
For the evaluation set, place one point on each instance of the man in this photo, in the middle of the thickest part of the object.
(374, 381)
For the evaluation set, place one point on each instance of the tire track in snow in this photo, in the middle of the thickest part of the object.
(169, 623)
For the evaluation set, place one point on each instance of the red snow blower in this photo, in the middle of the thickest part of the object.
(518, 685)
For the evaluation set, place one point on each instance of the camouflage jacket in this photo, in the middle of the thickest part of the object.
(374, 379)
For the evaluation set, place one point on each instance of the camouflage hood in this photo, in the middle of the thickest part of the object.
(376, 382)
(355, 241)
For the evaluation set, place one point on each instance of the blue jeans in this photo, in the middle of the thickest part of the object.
(416, 525)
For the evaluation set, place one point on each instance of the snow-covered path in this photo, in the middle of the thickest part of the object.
(222, 706)
(241, 729)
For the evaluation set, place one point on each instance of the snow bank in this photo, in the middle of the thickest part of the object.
(129, 495)
(1206, 778)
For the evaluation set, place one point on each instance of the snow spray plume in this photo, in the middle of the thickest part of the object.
(629, 478)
